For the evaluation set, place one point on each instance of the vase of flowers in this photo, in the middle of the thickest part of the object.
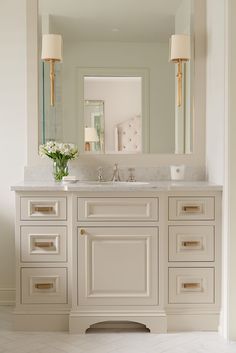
(61, 154)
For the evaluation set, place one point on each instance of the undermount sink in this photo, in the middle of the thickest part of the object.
(116, 183)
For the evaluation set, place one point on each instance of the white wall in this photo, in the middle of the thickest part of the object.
(122, 101)
(230, 177)
(13, 130)
(221, 142)
(215, 90)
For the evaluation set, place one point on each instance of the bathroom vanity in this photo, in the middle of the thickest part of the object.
(89, 253)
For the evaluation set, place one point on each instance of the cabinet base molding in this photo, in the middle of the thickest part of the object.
(7, 296)
(76, 322)
(193, 322)
(79, 322)
(41, 322)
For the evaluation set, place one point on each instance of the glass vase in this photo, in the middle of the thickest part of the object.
(60, 169)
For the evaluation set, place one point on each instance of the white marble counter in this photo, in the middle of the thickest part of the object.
(117, 186)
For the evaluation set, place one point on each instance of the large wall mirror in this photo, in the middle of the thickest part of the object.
(115, 89)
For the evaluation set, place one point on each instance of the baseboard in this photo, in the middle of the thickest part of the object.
(7, 296)
(76, 322)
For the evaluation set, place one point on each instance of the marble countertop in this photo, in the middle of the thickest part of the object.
(117, 186)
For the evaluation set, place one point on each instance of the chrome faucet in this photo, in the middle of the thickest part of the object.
(131, 177)
(115, 176)
(100, 172)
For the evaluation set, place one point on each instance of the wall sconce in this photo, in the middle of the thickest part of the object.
(52, 52)
(90, 135)
(180, 51)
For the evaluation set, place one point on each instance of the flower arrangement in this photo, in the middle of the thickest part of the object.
(61, 153)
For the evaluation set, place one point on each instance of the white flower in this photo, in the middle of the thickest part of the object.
(54, 150)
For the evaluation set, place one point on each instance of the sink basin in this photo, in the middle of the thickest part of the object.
(115, 183)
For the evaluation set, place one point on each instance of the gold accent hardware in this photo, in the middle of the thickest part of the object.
(52, 82)
(179, 78)
(52, 52)
(82, 231)
(44, 285)
(43, 244)
(180, 52)
(191, 285)
(192, 209)
(44, 209)
(190, 243)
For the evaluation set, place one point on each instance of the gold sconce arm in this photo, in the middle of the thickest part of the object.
(180, 86)
(52, 82)
(52, 52)
(180, 51)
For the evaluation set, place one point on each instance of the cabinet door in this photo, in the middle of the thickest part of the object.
(118, 266)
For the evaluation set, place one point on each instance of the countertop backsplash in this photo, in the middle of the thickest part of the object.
(89, 171)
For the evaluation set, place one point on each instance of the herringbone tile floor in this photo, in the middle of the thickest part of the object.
(63, 342)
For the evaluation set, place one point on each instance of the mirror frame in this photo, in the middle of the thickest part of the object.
(196, 159)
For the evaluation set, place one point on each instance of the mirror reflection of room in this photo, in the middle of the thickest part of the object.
(145, 119)
(112, 114)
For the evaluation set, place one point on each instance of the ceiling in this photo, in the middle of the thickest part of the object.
(111, 20)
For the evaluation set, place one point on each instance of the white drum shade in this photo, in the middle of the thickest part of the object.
(90, 135)
(52, 47)
(180, 48)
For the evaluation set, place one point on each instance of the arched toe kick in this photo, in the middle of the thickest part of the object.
(79, 324)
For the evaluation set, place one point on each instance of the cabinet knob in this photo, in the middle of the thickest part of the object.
(82, 231)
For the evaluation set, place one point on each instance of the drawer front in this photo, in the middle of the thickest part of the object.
(43, 208)
(43, 244)
(191, 208)
(191, 285)
(118, 266)
(191, 243)
(113, 209)
(44, 285)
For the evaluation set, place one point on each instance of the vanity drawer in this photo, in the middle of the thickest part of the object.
(191, 285)
(118, 208)
(43, 244)
(43, 208)
(191, 243)
(191, 208)
(44, 285)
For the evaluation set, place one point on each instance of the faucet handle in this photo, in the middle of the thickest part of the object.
(100, 172)
(131, 174)
(116, 175)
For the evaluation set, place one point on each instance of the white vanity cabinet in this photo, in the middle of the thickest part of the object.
(150, 256)
(43, 241)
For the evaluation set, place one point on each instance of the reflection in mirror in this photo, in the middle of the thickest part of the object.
(94, 125)
(117, 122)
(129, 35)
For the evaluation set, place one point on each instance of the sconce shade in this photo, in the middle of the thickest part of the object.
(90, 135)
(180, 48)
(52, 47)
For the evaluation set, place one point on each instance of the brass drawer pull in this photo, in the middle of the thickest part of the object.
(191, 209)
(44, 209)
(82, 231)
(190, 243)
(191, 285)
(43, 244)
(44, 285)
